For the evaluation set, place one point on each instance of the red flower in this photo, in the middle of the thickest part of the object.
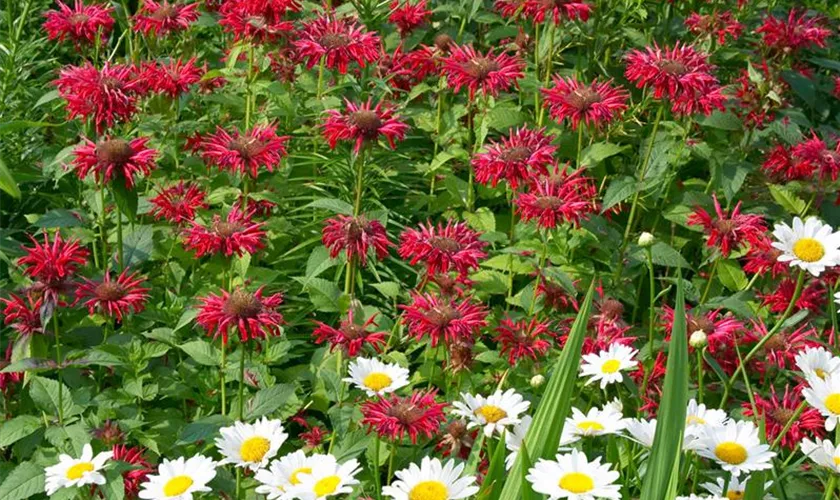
(539, 10)
(490, 73)
(555, 296)
(520, 339)
(812, 297)
(443, 318)
(173, 78)
(260, 20)
(776, 414)
(161, 18)
(814, 152)
(81, 23)
(23, 315)
(251, 315)
(361, 123)
(441, 248)
(762, 257)
(719, 24)
(594, 104)
(457, 440)
(720, 330)
(338, 41)
(135, 476)
(114, 159)
(106, 96)
(237, 234)
(782, 348)
(408, 16)
(283, 65)
(780, 164)
(837, 87)
(518, 157)
(313, 437)
(350, 336)
(728, 231)
(52, 262)
(178, 203)
(8, 379)
(394, 417)
(563, 197)
(355, 236)
(114, 298)
(796, 32)
(758, 101)
(259, 147)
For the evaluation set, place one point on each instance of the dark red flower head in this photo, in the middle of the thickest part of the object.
(490, 73)
(728, 232)
(443, 248)
(815, 152)
(794, 33)
(717, 24)
(361, 123)
(519, 157)
(339, 41)
(80, 23)
(114, 298)
(162, 18)
(595, 104)
(812, 297)
(395, 417)
(778, 412)
(52, 262)
(245, 153)
(251, 315)
(762, 257)
(407, 16)
(8, 379)
(522, 339)
(258, 20)
(178, 203)
(444, 319)
(114, 159)
(134, 477)
(351, 336)
(106, 96)
(561, 197)
(236, 234)
(540, 10)
(23, 315)
(173, 78)
(720, 329)
(355, 236)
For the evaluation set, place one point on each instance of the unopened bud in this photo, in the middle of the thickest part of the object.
(698, 339)
(646, 239)
(537, 380)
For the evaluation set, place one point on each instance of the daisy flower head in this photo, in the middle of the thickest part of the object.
(363, 123)
(606, 366)
(251, 315)
(491, 73)
(735, 446)
(810, 245)
(574, 477)
(822, 453)
(640, 430)
(251, 445)
(178, 479)
(817, 362)
(698, 418)
(114, 297)
(339, 41)
(80, 23)
(523, 154)
(442, 248)
(514, 439)
(736, 489)
(375, 377)
(728, 231)
(71, 472)
(393, 417)
(595, 422)
(246, 152)
(432, 480)
(161, 18)
(593, 104)
(114, 159)
(355, 236)
(494, 413)
(284, 473)
(824, 395)
(328, 478)
(236, 234)
(352, 335)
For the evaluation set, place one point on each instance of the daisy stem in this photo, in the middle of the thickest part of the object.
(651, 306)
(832, 483)
(700, 375)
(511, 195)
(238, 482)
(789, 424)
(222, 378)
(391, 458)
(58, 366)
(242, 384)
(376, 476)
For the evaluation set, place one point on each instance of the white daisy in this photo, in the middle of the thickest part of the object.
(735, 447)
(572, 476)
(375, 377)
(595, 422)
(811, 245)
(824, 395)
(328, 478)
(283, 473)
(493, 413)
(70, 472)
(735, 489)
(817, 362)
(697, 419)
(640, 430)
(431, 481)
(606, 366)
(513, 440)
(179, 479)
(251, 445)
(700, 497)
(822, 453)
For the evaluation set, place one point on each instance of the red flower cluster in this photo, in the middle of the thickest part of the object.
(251, 315)
(173, 78)
(407, 16)
(338, 41)
(355, 236)
(361, 124)
(244, 153)
(540, 10)
(351, 336)
(161, 18)
(812, 297)
(134, 477)
(395, 417)
(728, 231)
(718, 24)
(237, 234)
(758, 101)
(595, 104)
(178, 203)
(82, 23)
(106, 96)
(52, 262)
(114, 159)
(114, 298)
(803, 160)
(561, 197)
(794, 33)
(443, 248)
(258, 20)
(778, 412)
(519, 157)
(522, 339)
(490, 73)
(443, 318)
(23, 315)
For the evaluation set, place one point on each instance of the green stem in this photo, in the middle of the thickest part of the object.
(119, 215)
(651, 306)
(537, 68)
(543, 257)
(242, 384)
(58, 367)
(700, 368)
(511, 234)
(222, 378)
(320, 78)
(832, 483)
(579, 143)
(377, 477)
(709, 282)
(789, 424)
(249, 104)
(103, 231)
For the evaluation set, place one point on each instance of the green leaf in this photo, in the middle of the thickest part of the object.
(114, 487)
(58, 218)
(731, 275)
(18, 428)
(25, 481)
(663, 464)
(598, 152)
(664, 255)
(787, 199)
(333, 205)
(268, 400)
(125, 197)
(202, 352)
(619, 190)
(186, 318)
(491, 486)
(203, 429)
(525, 464)
(482, 220)
(733, 177)
(802, 86)
(543, 436)
(138, 245)
(44, 392)
(7, 181)
(721, 120)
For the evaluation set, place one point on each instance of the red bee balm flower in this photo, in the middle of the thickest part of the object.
(720, 330)
(106, 96)
(777, 414)
(539, 10)
(250, 314)
(80, 24)
(24, 315)
(361, 124)
(794, 33)
(814, 152)
(259, 20)
(237, 234)
(52, 262)
(811, 298)
(259, 147)
(355, 236)
(408, 16)
(521, 339)
(351, 336)
(728, 231)
(178, 203)
(568, 197)
(114, 159)
(721, 25)
(135, 476)
(161, 18)
(173, 78)
(490, 73)
(595, 104)
(453, 246)
(441, 318)
(518, 157)
(114, 298)
(395, 416)
(338, 41)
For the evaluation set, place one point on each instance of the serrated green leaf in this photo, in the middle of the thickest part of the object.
(731, 275)
(787, 199)
(619, 190)
(202, 352)
(268, 400)
(44, 392)
(598, 152)
(18, 428)
(25, 481)
(664, 255)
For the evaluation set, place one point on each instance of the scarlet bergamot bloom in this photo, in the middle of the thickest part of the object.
(432, 480)
(824, 395)
(606, 366)
(493, 413)
(251, 445)
(178, 479)
(812, 245)
(735, 446)
(375, 377)
(70, 472)
(574, 477)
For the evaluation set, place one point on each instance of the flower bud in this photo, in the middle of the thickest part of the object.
(646, 239)
(537, 380)
(697, 339)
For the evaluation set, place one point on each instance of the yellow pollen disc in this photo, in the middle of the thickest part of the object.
(79, 470)
(429, 490)
(177, 486)
(254, 449)
(820, 373)
(491, 414)
(294, 477)
(735, 495)
(590, 426)
(808, 250)
(832, 402)
(731, 453)
(836, 461)
(326, 486)
(611, 366)
(694, 420)
(576, 482)
(377, 381)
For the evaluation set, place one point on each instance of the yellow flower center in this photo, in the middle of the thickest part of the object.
(611, 366)
(377, 381)
(590, 426)
(836, 461)
(177, 486)
(735, 495)
(731, 453)
(429, 490)
(326, 486)
(491, 414)
(820, 373)
(808, 250)
(576, 482)
(254, 449)
(832, 402)
(79, 470)
(694, 420)
(293, 479)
